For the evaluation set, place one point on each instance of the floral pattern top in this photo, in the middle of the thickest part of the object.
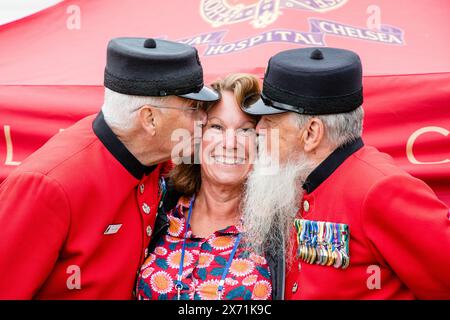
(205, 259)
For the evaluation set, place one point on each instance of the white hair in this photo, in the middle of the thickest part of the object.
(270, 203)
(340, 128)
(120, 109)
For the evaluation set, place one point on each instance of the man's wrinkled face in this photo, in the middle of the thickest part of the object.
(182, 116)
(180, 124)
(274, 187)
(282, 136)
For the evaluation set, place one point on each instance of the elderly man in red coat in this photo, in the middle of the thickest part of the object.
(354, 226)
(78, 214)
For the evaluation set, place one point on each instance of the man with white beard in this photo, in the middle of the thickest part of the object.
(350, 224)
(271, 200)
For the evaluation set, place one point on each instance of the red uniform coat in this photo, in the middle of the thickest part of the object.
(76, 218)
(399, 231)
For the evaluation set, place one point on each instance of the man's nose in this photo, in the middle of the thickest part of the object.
(202, 117)
(261, 125)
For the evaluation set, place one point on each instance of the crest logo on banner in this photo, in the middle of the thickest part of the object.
(260, 13)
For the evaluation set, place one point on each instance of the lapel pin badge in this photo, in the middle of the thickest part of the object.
(112, 228)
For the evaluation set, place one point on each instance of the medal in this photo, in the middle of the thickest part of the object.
(345, 245)
(315, 233)
(338, 259)
(323, 243)
(321, 251)
(346, 261)
(337, 246)
(313, 254)
(329, 239)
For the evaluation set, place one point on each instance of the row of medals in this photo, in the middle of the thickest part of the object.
(317, 246)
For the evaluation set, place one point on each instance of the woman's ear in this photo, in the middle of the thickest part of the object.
(148, 119)
(313, 135)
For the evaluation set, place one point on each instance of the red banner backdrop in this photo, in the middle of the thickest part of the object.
(51, 63)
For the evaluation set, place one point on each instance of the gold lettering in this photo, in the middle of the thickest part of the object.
(9, 148)
(412, 139)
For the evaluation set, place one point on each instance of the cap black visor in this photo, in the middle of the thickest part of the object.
(205, 94)
(257, 104)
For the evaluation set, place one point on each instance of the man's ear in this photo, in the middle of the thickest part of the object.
(313, 134)
(148, 119)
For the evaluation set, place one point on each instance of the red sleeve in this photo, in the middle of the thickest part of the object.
(34, 219)
(409, 228)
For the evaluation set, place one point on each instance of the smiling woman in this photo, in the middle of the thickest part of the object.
(185, 177)
(200, 248)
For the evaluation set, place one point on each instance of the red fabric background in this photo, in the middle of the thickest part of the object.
(51, 75)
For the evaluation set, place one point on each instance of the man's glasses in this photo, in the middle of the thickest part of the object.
(198, 106)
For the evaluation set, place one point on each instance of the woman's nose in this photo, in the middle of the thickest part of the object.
(230, 139)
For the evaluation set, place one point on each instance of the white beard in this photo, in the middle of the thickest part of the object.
(271, 202)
